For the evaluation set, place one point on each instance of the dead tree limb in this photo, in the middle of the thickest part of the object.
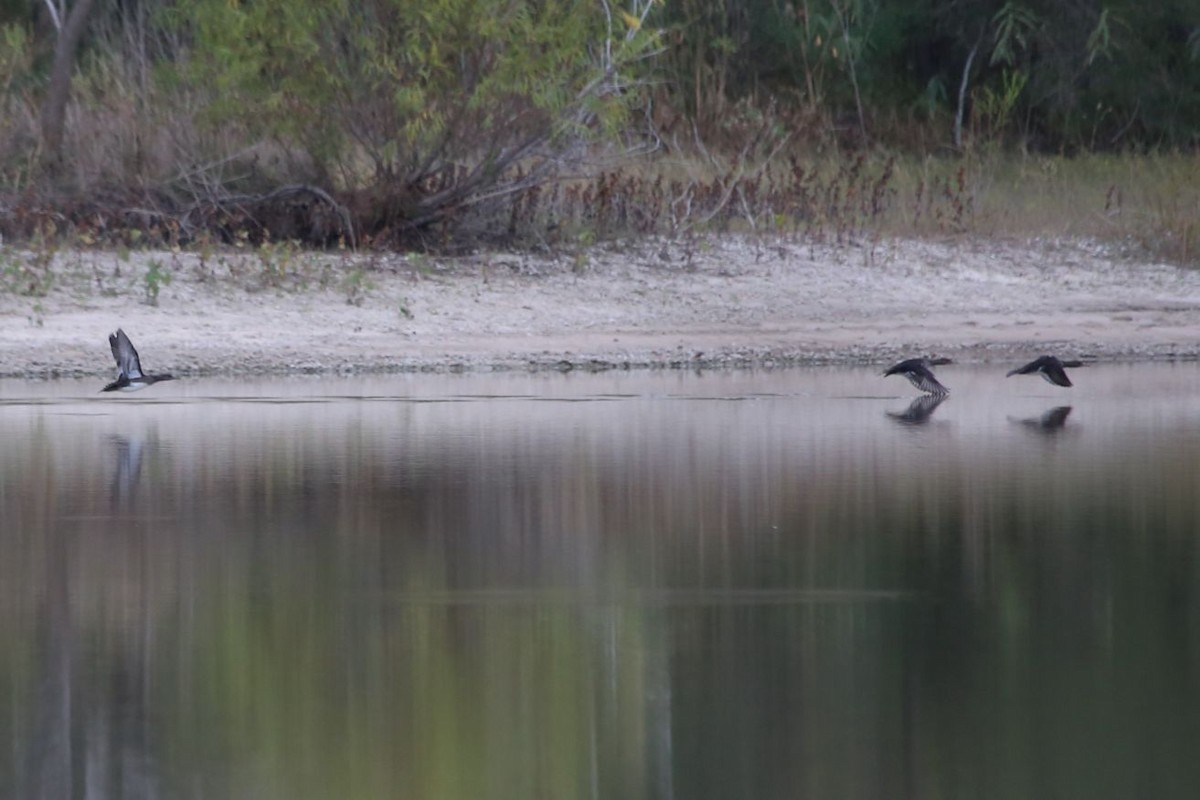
(58, 92)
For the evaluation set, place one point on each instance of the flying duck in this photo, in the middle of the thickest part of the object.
(129, 369)
(919, 374)
(1049, 368)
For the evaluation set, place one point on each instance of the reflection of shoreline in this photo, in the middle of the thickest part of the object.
(694, 595)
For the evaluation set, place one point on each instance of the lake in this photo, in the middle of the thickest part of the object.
(776, 584)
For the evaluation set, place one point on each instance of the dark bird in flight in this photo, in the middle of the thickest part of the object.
(129, 369)
(1049, 368)
(919, 374)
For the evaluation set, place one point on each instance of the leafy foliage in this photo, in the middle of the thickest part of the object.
(1097, 75)
(340, 123)
(428, 104)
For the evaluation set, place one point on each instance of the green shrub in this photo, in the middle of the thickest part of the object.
(427, 106)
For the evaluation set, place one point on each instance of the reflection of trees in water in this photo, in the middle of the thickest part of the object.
(431, 619)
(84, 731)
(48, 759)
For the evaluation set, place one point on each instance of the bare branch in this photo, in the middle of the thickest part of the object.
(55, 16)
(54, 107)
(962, 93)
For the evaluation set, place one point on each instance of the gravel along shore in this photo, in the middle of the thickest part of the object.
(717, 302)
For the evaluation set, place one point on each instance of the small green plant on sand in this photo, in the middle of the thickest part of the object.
(278, 261)
(356, 285)
(152, 282)
(31, 275)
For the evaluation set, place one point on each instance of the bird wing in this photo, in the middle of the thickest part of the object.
(124, 354)
(1032, 366)
(1055, 374)
(904, 367)
(923, 379)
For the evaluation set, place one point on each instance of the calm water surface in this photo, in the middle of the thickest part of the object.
(785, 584)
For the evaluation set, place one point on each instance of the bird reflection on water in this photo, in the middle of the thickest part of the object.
(129, 451)
(1049, 422)
(919, 410)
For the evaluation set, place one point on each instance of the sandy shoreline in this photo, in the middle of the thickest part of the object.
(719, 302)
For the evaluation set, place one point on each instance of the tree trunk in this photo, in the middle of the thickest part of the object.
(54, 107)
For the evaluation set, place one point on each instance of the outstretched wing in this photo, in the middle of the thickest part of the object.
(124, 354)
(920, 377)
(1032, 366)
(904, 367)
(1054, 374)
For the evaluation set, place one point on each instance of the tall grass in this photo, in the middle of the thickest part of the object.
(1147, 204)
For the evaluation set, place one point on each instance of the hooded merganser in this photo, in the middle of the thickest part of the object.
(129, 369)
(919, 374)
(1049, 368)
